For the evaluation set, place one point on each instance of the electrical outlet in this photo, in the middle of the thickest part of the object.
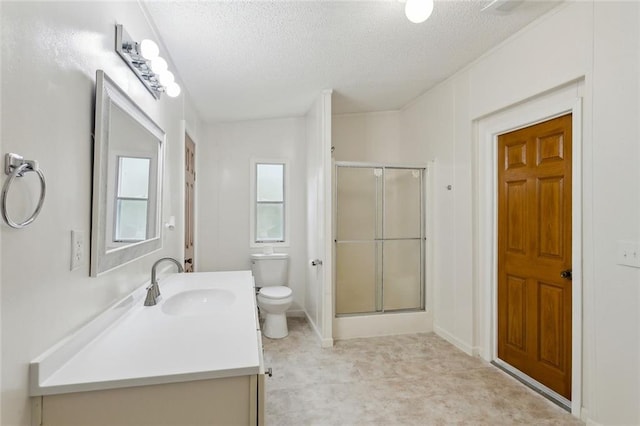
(77, 249)
(628, 254)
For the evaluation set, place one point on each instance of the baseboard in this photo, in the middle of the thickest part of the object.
(296, 314)
(324, 342)
(362, 326)
(585, 417)
(468, 349)
(477, 351)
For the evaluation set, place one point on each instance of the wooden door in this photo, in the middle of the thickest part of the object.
(189, 217)
(534, 252)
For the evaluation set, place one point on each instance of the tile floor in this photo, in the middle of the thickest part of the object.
(417, 379)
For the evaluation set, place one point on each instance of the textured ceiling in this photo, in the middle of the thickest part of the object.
(259, 59)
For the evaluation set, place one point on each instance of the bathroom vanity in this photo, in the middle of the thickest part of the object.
(195, 358)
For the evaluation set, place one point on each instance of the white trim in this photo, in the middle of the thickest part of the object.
(325, 342)
(385, 324)
(382, 165)
(563, 100)
(586, 417)
(252, 202)
(469, 350)
(429, 230)
(326, 312)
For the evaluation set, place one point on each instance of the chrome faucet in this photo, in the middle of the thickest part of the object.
(153, 291)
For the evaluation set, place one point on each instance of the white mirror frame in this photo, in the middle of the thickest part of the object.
(103, 260)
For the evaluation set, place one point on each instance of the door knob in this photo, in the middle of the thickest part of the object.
(566, 274)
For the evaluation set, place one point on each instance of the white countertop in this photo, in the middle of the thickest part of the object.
(134, 345)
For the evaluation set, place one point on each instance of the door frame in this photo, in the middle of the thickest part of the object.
(564, 100)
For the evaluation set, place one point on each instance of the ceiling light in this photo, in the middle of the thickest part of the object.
(418, 11)
(143, 59)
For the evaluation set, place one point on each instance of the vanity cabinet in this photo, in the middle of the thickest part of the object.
(157, 366)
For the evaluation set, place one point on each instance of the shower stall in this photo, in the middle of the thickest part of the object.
(379, 239)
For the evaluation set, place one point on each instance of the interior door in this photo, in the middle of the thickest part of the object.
(189, 191)
(534, 252)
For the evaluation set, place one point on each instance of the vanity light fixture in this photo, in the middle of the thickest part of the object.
(418, 11)
(143, 58)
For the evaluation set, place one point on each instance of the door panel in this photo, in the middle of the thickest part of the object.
(516, 226)
(550, 226)
(516, 311)
(356, 277)
(402, 203)
(401, 274)
(551, 316)
(534, 247)
(357, 198)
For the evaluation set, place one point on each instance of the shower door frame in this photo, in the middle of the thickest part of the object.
(424, 183)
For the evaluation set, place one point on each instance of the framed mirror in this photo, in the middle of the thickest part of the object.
(127, 180)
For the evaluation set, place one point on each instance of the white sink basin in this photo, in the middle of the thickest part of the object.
(198, 302)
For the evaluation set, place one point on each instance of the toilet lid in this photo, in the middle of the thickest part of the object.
(276, 292)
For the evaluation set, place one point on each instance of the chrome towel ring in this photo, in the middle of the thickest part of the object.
(16, 166)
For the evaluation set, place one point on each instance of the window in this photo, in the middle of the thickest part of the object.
(269, 195)
(132, 199)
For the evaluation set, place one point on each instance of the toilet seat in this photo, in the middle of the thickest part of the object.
(276, 293)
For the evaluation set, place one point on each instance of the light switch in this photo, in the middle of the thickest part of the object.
(628, 254)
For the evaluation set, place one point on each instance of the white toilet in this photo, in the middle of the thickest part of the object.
(271, 273)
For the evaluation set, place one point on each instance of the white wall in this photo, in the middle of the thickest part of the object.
(319, 291)
(431, 130)
(50, 54)
(370, 137)
(223, 187)
(597, 41)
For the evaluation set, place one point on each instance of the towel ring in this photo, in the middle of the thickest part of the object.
(13, 170)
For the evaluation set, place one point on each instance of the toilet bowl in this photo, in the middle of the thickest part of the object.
(274, 302)
(270, 272)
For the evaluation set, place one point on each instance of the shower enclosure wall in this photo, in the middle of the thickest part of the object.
(379, 239)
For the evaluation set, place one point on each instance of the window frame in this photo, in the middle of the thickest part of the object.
(254, 202)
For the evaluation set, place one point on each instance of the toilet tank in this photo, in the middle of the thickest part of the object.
(270, 269)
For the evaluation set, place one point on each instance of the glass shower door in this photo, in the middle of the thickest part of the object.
(357, 249)
(379, 239)
(403, 240)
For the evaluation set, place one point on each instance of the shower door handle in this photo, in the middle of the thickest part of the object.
(316, 262)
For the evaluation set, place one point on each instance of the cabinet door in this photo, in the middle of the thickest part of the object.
(224, 401)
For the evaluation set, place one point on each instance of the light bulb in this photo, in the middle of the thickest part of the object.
(166, 78)
(158, 65)
(173, 90)
(149, 49)
(418, 11)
